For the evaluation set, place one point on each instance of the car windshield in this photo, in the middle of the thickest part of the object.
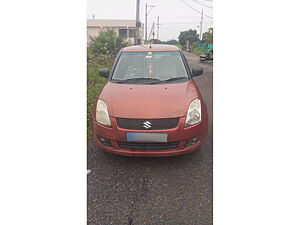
(150, 68)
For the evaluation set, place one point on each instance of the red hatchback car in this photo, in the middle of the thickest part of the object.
(150, 105)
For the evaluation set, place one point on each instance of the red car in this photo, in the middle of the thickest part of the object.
(150, 105)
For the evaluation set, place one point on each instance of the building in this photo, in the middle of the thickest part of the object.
(123, 28)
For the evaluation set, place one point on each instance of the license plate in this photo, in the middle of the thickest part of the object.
(146, 137)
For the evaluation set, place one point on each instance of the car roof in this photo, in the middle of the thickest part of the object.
(152, 48)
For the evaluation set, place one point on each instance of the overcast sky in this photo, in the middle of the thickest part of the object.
(174, 15)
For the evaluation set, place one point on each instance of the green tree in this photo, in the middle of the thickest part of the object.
(190, 36)
(171, 42)
(106, 44)
(208, 36)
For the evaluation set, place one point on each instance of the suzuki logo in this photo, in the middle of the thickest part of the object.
(147, 124)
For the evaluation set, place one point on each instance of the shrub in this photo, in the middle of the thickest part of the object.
(100, 54)
(95, 84)
(198, 51)
(106, 44)
(180, 46)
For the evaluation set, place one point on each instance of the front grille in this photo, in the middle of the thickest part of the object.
(147, 124)
(148, 146)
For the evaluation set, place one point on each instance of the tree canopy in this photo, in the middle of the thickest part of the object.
(208, 36)
(190, 35)
(170, 42)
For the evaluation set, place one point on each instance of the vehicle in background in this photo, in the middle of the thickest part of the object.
(206, 56)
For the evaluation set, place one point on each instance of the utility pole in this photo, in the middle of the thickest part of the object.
(158, 28)
(152, 31)
(146, 15)
(201, 25)
(137, 23)
(146, 22)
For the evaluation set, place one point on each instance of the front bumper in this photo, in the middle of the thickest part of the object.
(178, 134)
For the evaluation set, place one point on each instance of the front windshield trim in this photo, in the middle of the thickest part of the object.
(151, 82)
(181, 59)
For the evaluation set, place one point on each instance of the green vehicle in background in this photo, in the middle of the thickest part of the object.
(208, 55)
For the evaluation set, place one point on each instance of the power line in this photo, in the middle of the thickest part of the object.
(185, 23)
(203, 0)
(196, 9)
(195, 17)
(202, 4)
(177, 17)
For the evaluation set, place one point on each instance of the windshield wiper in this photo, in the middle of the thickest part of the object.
(168, 80)
(135, 79)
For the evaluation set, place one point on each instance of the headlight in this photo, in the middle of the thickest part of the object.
(102, 115)
(193, 115)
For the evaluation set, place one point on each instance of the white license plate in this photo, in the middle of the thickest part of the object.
(146, 137)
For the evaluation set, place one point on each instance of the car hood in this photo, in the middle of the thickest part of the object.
(149, 101)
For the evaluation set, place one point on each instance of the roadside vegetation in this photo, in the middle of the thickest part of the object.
(100, 54)
(190, 40)
(197, 50)
(172, 42)
(208, 36)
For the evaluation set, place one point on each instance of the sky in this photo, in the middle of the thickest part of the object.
(174, 15)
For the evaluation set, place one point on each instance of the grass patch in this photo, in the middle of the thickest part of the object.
(180, 46)
(198, 51)
(95, 83)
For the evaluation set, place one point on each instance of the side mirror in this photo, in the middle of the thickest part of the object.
(104, 72)
(197, 72)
